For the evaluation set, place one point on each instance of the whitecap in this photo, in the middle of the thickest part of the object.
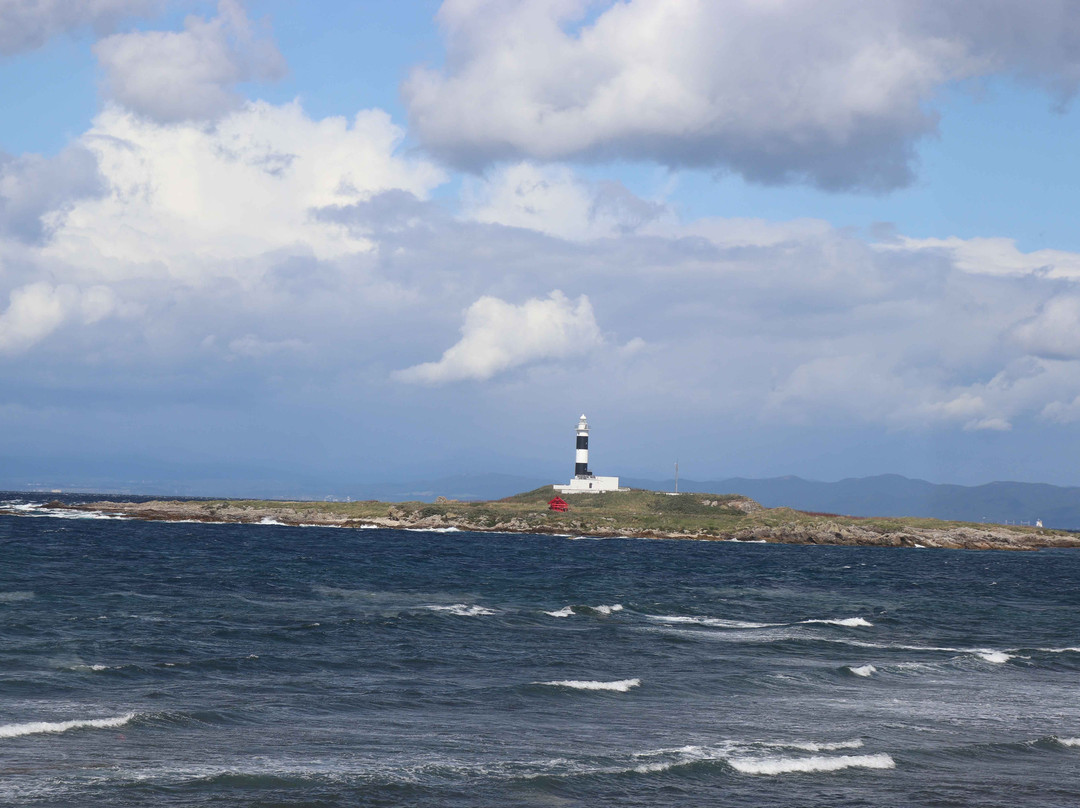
(617, 607)
(818, 746)
(14, 597)
(783, 765)
(847, 622)
(463, 610)
(269, 520)
(565, 611)
(713, 622)
(37, 727)
(995, 657)
(620, 686)
(862, 670)
(1068, 741)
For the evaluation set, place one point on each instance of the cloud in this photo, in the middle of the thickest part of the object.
(38, 309)
(994, 256)
(192, 203)
(28, 24)
(36, 191)
(1054, 332)
(191, 74)
(553, 200)
(498, 336)
(832, 93)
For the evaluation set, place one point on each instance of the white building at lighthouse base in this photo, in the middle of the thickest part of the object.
(589, 485)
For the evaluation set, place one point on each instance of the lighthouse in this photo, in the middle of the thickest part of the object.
(581, 454)
(584, 481)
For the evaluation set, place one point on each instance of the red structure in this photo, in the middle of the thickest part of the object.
(558, 504)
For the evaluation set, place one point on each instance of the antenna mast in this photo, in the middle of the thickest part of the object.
(676, 476)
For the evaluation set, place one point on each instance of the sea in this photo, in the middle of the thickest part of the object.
(190, 664)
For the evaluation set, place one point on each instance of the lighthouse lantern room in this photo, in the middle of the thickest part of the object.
(584, 481)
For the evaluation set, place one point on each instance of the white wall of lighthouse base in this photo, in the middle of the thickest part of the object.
(589, 485)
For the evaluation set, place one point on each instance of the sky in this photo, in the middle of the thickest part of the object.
(293, 247)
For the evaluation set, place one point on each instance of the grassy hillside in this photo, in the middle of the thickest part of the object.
(637, 512)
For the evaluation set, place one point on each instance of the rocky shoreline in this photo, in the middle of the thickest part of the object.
(799, 529)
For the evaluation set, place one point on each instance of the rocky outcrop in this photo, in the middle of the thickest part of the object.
(805, 530)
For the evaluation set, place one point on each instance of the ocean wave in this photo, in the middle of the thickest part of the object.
(816, 746)
(862, 670)
(38, 727)
(713, 622)
(1068, 741)
(38, 510)
(718, 622)
(995, 657)
(620, 686)
(16, 596)
(817, 763)
(463, 610)
(565, 611)
(616, 607)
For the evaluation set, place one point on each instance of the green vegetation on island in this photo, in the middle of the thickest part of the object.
(633, 513)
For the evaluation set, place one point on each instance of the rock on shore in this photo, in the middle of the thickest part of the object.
(799, 529)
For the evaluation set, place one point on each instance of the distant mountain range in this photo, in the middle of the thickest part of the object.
(894, 495)
(883, 495)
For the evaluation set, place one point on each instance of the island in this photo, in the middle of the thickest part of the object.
(625, 513)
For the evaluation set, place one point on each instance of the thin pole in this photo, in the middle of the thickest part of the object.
(676, 476)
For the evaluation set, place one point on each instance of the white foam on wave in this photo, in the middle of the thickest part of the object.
(986, 654)
(848, 622)
(432, 529)
(38, 727)
(862, 670)
(463, 610)
(818, 746)
(565, 611)
(616, 607)
(15, 597)
(269, 520)
(36, 509)
(1068, 741)
(714, 622)
(817, 763)
(620, 686)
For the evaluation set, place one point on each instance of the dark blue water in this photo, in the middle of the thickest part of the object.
(198, 665)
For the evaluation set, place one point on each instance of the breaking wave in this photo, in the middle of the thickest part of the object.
(620, 686)
(565, 611)
(783, 765)
(38, 727)
(862, 670)
(463, 610)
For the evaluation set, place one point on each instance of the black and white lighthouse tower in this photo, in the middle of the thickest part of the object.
(581, 457)
(584, 481)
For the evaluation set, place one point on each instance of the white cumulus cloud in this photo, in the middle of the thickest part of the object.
(38, 309)
(498, 336)
(832, 92)
(554, 200)
(188, 201)
(189, 74)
